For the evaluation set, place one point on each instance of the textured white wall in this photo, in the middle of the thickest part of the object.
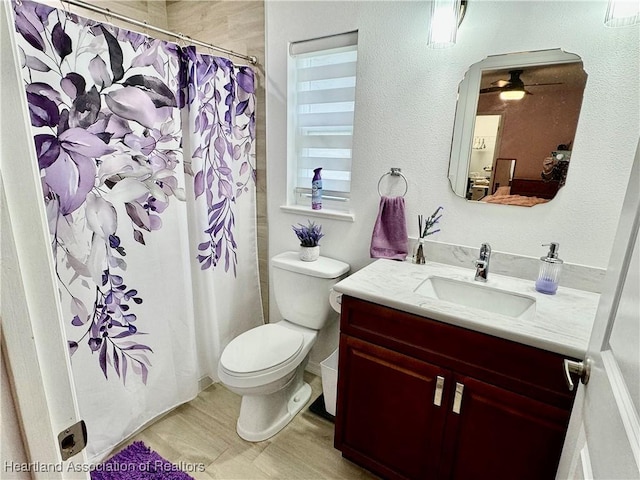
(405, 106)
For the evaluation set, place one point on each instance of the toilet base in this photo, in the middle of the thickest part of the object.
(262, 416)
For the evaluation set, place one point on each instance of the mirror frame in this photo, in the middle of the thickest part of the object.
(467, 105)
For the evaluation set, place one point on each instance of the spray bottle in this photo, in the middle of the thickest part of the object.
(316, 190)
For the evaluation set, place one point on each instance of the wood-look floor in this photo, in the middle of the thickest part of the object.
(203, 431)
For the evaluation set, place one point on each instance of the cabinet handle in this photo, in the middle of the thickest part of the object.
(437, 396)
(457, 399)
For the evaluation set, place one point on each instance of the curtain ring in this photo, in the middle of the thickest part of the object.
(19, 3)
(107, 16)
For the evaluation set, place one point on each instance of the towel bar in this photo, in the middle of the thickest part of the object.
(395, 172)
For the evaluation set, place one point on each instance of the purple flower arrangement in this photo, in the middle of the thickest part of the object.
(309, 235)
(425, 225)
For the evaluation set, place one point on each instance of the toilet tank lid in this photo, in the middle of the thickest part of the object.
(323, 267)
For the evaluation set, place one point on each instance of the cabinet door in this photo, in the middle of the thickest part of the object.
(500, 434)
(387, 418)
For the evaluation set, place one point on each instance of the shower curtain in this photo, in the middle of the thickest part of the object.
(146, 156)
(221, 141)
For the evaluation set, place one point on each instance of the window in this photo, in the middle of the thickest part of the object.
(322, 85)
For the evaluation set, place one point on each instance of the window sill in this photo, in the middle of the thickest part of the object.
(324, 213)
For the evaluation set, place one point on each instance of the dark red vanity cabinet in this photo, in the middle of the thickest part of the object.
(388, 419)
(421, 399)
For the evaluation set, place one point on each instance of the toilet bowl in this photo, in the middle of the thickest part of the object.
(266, 364)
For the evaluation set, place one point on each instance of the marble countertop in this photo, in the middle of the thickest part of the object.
(562, 322)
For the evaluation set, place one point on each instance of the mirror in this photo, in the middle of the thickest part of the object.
(515, 124)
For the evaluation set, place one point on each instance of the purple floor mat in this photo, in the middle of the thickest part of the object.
(137, 462)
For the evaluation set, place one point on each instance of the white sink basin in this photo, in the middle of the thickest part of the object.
(478, 296)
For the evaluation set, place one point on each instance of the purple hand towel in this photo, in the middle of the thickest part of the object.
(389, 239)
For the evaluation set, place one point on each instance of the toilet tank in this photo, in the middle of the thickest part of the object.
(302, 288)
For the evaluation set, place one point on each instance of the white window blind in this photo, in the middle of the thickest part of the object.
(321, 110)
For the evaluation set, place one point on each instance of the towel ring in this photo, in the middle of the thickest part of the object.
(395, 172)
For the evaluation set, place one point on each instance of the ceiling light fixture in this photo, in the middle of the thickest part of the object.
(515, 94)
(514, 89)
(622, 13)
(446, 17)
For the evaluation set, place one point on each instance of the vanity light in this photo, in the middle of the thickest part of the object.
(512, 95)
(446, 17)
(622, 13)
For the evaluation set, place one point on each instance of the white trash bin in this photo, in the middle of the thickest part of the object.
(329, 371)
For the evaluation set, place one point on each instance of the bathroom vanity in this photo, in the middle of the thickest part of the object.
(431, 388)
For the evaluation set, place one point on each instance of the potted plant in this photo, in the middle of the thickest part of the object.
(309, 236)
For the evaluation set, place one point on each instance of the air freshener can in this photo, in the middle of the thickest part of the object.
(316, 190)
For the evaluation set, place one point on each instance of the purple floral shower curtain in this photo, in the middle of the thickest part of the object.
(142, 233)
(221, 145)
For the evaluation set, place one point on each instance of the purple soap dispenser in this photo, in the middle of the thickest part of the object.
(550, 268)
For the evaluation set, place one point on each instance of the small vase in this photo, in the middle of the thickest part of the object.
(419, 252)
(309, 254)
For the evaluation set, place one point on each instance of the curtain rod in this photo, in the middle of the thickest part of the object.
(105, 11)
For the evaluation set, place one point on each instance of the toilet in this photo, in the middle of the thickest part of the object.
(266, 364)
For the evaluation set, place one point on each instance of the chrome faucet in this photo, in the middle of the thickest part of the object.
(482, 263)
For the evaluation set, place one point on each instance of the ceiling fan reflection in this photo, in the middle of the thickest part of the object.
(513, 84)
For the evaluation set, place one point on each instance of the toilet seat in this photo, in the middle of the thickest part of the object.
(261, 350)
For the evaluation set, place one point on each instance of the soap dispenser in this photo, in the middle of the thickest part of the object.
(550, 268)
